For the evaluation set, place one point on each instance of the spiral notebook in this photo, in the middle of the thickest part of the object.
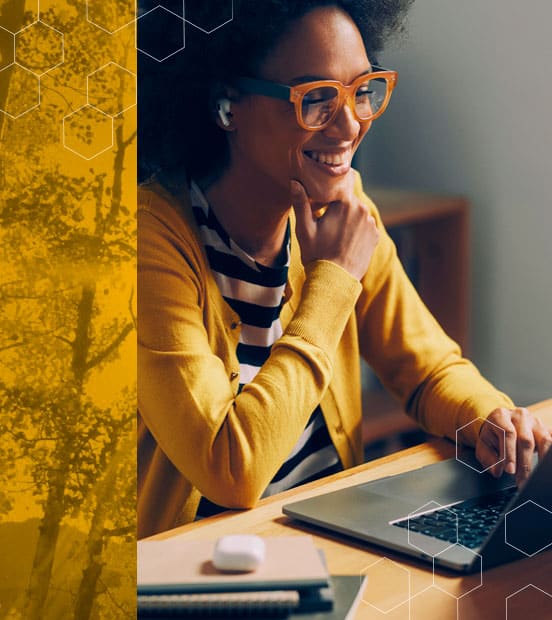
(338, 601)
(271, 602)
(178, 566)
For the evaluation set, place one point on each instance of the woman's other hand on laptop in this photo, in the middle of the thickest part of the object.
(508, 439)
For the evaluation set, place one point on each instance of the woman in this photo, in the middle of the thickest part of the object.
(253, 313)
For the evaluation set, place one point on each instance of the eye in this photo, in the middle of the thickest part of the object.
(320, 95)
(364, 92)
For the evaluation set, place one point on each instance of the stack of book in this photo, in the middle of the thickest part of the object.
(176, 577)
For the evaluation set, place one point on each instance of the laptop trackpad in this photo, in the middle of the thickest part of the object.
(444, 482)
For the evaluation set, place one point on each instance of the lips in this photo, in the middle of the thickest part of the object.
(335, 163)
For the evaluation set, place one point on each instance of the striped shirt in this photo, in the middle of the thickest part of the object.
(256, 293)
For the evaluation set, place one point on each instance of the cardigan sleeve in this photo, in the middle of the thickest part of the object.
(411, 353)
(226, 444)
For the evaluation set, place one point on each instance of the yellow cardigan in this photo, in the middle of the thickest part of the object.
(197, 435)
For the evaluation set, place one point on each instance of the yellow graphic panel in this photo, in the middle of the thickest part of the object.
(24, 90)
(88, 132)
(39, 47)
(67, 297)
(7, 48)
(110, 16)
(112, 89)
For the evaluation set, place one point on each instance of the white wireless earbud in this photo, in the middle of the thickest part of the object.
(223, 110)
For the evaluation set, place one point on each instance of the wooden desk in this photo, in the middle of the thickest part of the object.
(345, 556)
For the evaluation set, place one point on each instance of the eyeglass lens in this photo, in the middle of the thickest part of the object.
(319, 104)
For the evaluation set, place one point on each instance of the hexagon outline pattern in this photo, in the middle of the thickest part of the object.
(421, 510)
(111, 62)
(91, 21)
(479, 585)
(216, 27)
(172, 13)
(16, 64)
(529, 585)
(40, 21)
(529, 555)
(364, 572)
(87, 105)
(479, 471)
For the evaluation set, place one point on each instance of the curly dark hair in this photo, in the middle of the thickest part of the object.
(176, 130)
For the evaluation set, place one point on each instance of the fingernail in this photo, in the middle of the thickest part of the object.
(510, 468)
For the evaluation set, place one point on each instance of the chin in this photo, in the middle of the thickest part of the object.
(324, 182)
(323, 188)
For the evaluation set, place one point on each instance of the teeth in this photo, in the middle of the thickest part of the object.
(332, 159)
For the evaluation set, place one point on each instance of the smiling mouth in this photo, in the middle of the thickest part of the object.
(333, 163)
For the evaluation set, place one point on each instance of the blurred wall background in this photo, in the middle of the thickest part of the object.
(472, 114)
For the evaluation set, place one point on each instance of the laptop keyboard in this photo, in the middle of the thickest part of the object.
(476, 518)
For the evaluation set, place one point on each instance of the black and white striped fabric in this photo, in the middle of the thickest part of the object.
(255, 293)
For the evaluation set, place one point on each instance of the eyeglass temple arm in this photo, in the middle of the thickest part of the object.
(261, 87)
(377, 69)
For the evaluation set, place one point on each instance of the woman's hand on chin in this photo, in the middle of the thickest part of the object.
(346, 232)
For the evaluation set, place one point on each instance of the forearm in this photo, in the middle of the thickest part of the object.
(455, 396)
(413, 356)
(230, 445)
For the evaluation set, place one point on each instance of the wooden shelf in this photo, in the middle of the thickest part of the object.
(439, 225)
(383, 417)
(437, 229)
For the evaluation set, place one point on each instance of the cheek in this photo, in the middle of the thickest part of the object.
(269, 138)
(277, 153)
(365, 127)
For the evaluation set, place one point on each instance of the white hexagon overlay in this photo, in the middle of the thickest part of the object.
(116, 67)
(176, 16)
(465, 582)
(538, 592)
(199, 27)
(388, 570)
(432, 587)
(91, 15)
(37, 24)
(459, 446)
(24, 74)
(100, 149)
(7, 34)
(526, 506)
(430, 507)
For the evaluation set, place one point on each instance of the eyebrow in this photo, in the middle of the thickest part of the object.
(315, 78)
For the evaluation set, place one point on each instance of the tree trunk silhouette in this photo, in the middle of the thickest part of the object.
(98, 535)
(43, 561)
(54, 507)
(11, 17)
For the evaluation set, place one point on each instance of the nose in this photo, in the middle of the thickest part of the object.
(344, 126)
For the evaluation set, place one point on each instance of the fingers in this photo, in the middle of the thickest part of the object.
(508, 440)
(345, 232)
(543, 438)
(497, 446)
(488, 450)
(524, 422)
(306, 222)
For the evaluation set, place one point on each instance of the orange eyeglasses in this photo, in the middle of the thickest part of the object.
(317, 103)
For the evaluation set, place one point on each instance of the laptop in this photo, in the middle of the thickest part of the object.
(447, 513)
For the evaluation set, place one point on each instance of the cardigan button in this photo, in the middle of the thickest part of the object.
(234, 375)
(339, 429)
(235, 324)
